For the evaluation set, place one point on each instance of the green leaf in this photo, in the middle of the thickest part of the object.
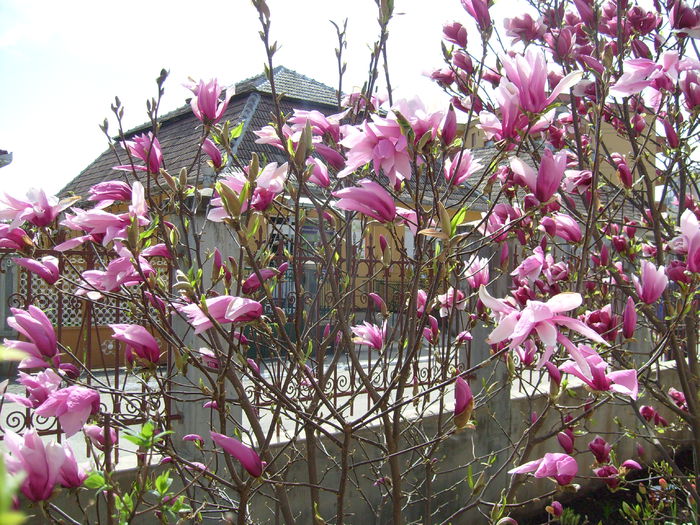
(163, 483)
(457, 219)
(236, 132)
(95, 481)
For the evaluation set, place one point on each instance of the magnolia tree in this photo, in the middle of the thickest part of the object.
(576, 282)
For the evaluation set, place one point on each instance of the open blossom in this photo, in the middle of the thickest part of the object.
(532, 266)
(46, 267)
(369, 334)
(208, 105)
(464, 402)
(224, 309)
(451, 299)
(72, 406)
(537, 317)
(39, 386)
(528, 73)
(40, 339)
(590, 368)
(41, 463)
(689, 241)
(370, 199)
(524, 28)
(562, 467)
(653, 282)
(459, 168)
(268, 185)
(545, 182)
(139, 342)
(146, 148)
(13, 238)
(38, 208)
(381, 142)
(477, 272)
(246, 455)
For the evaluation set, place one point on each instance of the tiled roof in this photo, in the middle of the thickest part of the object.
(293, 85)
(179, 133)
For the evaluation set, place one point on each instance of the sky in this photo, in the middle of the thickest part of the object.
(62, 63)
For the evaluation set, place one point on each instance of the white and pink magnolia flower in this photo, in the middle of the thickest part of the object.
(539, 318)
(452, 299)
(369, 334)
(381, 142)
(38, 208)
(41, 463)
(562, 467)
(72, 406)
(592, 369)
(652, 284)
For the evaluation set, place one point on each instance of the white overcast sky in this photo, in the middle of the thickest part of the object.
(62, 63)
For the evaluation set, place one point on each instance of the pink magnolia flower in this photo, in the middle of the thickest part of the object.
(39, 209)
(456, 33)
(653, 282)
(590, 368)
(609, 474)
(223, 309)
(208, 105)
(453, 298)
(246, 455)
(477, 272)
(479, 11)
(146, 148)
(459, 168)
(650, 414)
(106, 193)
(72, 406)
(566, 440)
(562, 467)
(319, 172)
(196, 438)
(40, 337)
(629, 319)
(72, 474)
(96, 435)
(600, 449)
(39, 387)
(532, 266)
(689, 241)
(252, 283)
(46, 267)
(383, 143)
(690, 86)
(678, 398)
(464, 402)
(370, 199)
(421, 301)
(41, 463)
(545, 182)
(138, 341)
(524, 28)
(321, 125)
(537, 317)
(528, 73)
(213, 152)
(432, 332)
(369, 334)
(567, 227)
(269, 184)
(13, 238)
